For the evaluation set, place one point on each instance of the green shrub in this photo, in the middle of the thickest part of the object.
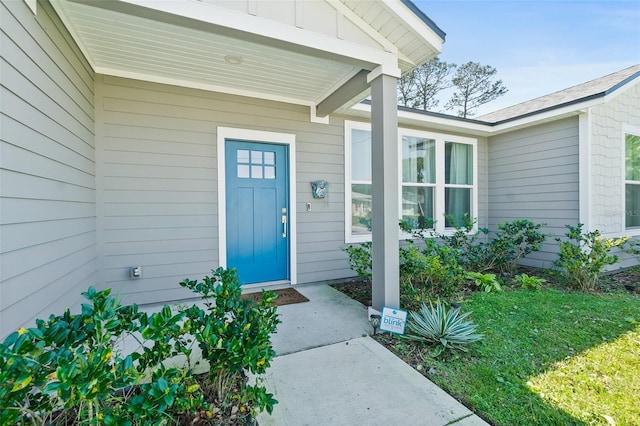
(68, 366)
(428, 273)
(513, 241)
(441, 326)
(529, 282)
(485, 282)
(67, 369)
(360, 259)
(234, 335)
(470, 246)
(584, 255)
(435, 265)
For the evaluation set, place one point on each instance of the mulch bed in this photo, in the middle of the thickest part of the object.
(286, 296)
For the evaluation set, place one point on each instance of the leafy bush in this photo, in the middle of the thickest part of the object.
(471, 247)
(431, 272)
(66, 366)
(67, 369)
(441, 326)
(485, 282)
(360, 259)
(435, 265)
(234, 335)
(584, 255)
(513, 241)
(529, 282)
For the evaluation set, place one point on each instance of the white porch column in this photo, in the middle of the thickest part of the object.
(385, 187)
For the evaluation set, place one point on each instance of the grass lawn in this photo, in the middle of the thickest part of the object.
(548, 358)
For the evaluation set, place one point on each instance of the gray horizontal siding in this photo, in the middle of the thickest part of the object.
(47, 167)
(159, 189)
(533, 174)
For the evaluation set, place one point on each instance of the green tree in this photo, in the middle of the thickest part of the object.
(475, 86)
(418, 89)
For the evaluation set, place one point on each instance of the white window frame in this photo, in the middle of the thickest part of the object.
(440, 186)
(627, 130)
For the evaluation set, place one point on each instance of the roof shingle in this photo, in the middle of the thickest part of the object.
(582, 92)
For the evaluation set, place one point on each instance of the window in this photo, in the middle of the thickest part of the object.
(632, 181)
(438, 176)
(256, 164)
(418, 181)
(458, 175)
(360, 181)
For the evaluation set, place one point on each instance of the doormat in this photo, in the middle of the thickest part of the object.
(286, 296)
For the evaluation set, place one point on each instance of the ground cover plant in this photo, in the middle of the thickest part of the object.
(68, 369)
(546, 358)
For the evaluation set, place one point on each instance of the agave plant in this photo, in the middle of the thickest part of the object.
(439, 325)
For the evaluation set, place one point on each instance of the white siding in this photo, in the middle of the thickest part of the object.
(47, 168)
(607, 155)
(533, 174)
(158, 189)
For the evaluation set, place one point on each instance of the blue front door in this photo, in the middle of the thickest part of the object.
(257, 210)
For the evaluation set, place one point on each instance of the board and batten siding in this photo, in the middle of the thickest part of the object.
(533, 174)
(47, 167)
(158, 184)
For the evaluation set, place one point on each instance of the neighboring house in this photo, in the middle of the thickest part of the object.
(180, 136)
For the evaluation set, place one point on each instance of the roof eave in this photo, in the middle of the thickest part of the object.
(424, 18)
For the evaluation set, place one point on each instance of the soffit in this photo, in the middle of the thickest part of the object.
(416, 41)
(116, 43)
(139, 39)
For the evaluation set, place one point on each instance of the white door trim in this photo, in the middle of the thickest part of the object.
(224, 133)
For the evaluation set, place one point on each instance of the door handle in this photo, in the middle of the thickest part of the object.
(284, 226)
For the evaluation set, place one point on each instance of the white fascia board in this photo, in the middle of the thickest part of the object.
(347, 13)
(360, 23)
(203, 86)
(553, 114)
(620, 90)
(417, 119)
(415, 24)
(479, 129)
(232, 20)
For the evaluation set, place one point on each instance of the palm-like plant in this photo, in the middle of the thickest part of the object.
(439, 325)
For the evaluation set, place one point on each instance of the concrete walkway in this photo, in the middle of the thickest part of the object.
(329, 372)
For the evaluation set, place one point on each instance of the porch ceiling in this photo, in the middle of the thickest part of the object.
(206, 48)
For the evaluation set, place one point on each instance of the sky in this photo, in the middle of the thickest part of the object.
(538, 47)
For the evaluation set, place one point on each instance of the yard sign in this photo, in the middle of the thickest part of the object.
(393, 320)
